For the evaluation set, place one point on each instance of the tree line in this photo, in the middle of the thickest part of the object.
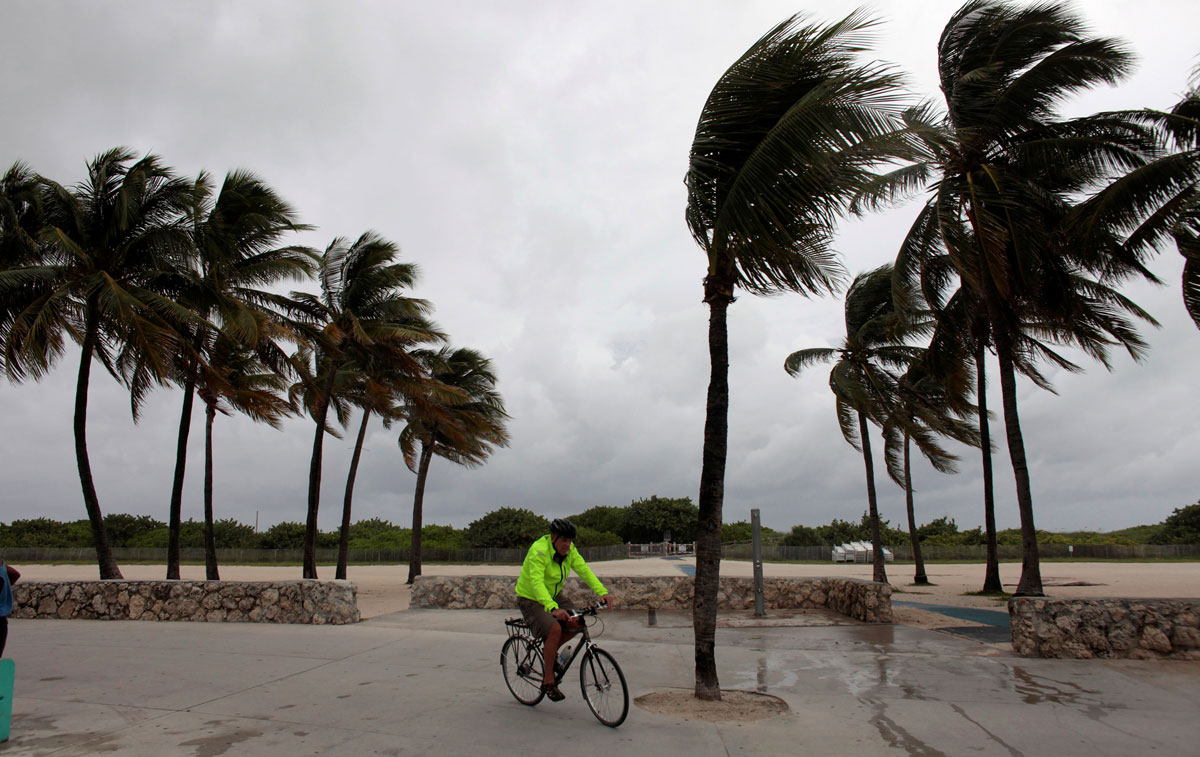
(1181, 527)
(165, 280)
(1030, 224)
(642, 521)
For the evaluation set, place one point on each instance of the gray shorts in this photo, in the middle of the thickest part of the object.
(540, 622)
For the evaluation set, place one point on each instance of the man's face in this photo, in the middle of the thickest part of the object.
(562, 545)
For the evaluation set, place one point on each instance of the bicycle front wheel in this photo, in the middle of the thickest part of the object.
(521, 661)
(603, 686)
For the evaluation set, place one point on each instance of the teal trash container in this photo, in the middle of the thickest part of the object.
(8, 671)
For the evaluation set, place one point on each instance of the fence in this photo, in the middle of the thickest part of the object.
(28, 555)
(744, 551)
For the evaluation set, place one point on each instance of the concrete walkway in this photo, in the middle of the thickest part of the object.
(429, 682)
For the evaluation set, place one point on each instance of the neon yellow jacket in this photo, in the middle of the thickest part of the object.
(542, 576)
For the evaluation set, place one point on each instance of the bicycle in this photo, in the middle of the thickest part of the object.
(600, 678)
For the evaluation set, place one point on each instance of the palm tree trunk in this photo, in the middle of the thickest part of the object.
(879, 574)
(718, 294)
(175, 509)
(314, 477)
(344, 532)
(1031, 569)
(414, 555)
(991, 577)
(91, 502)
(210, 541)
(920, 577)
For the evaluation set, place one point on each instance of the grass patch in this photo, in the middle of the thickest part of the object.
(996, 596)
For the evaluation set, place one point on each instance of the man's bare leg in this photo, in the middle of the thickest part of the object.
(555, 639)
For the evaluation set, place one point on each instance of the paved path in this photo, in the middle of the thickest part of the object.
(429, 682)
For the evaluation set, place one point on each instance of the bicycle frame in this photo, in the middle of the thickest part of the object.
(585, 638)
(600, 678)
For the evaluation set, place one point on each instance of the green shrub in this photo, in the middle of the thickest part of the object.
(507, 528)
(590, 537)
(1181, 527)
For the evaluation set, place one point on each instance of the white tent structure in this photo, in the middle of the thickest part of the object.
(859, 551)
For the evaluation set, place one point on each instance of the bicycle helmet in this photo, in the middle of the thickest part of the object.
(562, 527)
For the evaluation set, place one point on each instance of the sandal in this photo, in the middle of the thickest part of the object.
(552, 692)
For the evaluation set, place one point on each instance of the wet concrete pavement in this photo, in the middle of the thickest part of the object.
(429, 681)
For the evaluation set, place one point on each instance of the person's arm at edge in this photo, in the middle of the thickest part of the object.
(14, 575)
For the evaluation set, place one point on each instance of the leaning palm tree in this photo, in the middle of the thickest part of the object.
(957, 350)
(20, 217)
(1010, 175)
(373, 396)
(923, 413)
(20, 224)
(236, 233)
(863, 387)
(113, 247)
(231, 373)
(788, 135)
(1184, 132)
(464, 427)
(361, 315)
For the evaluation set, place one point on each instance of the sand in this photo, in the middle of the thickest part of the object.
(382, 588)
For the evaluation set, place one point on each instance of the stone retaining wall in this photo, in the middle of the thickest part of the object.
(863, 600)
(1087, 628)
(305, 601)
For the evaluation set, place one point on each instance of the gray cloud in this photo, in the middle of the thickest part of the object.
(530, 158)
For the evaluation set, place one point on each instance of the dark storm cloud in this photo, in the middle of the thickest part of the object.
(530, 156)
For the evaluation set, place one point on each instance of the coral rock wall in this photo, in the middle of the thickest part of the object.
(313, 602)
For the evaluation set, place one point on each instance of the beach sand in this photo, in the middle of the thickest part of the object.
(382, 588)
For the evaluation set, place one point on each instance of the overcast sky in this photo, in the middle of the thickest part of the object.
(530, 156)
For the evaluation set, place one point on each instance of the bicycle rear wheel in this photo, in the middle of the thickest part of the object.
(603, 686)
(521, 661)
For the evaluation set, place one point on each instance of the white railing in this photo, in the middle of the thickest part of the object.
(661, 549)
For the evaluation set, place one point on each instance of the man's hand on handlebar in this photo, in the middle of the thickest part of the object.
(608, 601)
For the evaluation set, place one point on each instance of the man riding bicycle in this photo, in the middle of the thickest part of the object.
(548, 563)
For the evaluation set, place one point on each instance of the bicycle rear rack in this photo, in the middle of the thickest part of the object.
(517, 627)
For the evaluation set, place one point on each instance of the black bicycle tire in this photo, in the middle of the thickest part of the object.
(586, 667)
(506, 665)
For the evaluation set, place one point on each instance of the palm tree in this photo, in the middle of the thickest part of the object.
(464, 429)
(20, 223)
(113, 246)
(361, 315)
(236, 234)
(921, 412)
(789, 133)
(1184, 132)
(1005, 204)
(232, 372)
(372, 395)
(958, 348)
(20, 217)
(863, 388)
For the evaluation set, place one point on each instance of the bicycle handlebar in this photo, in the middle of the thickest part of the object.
(589, 610)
